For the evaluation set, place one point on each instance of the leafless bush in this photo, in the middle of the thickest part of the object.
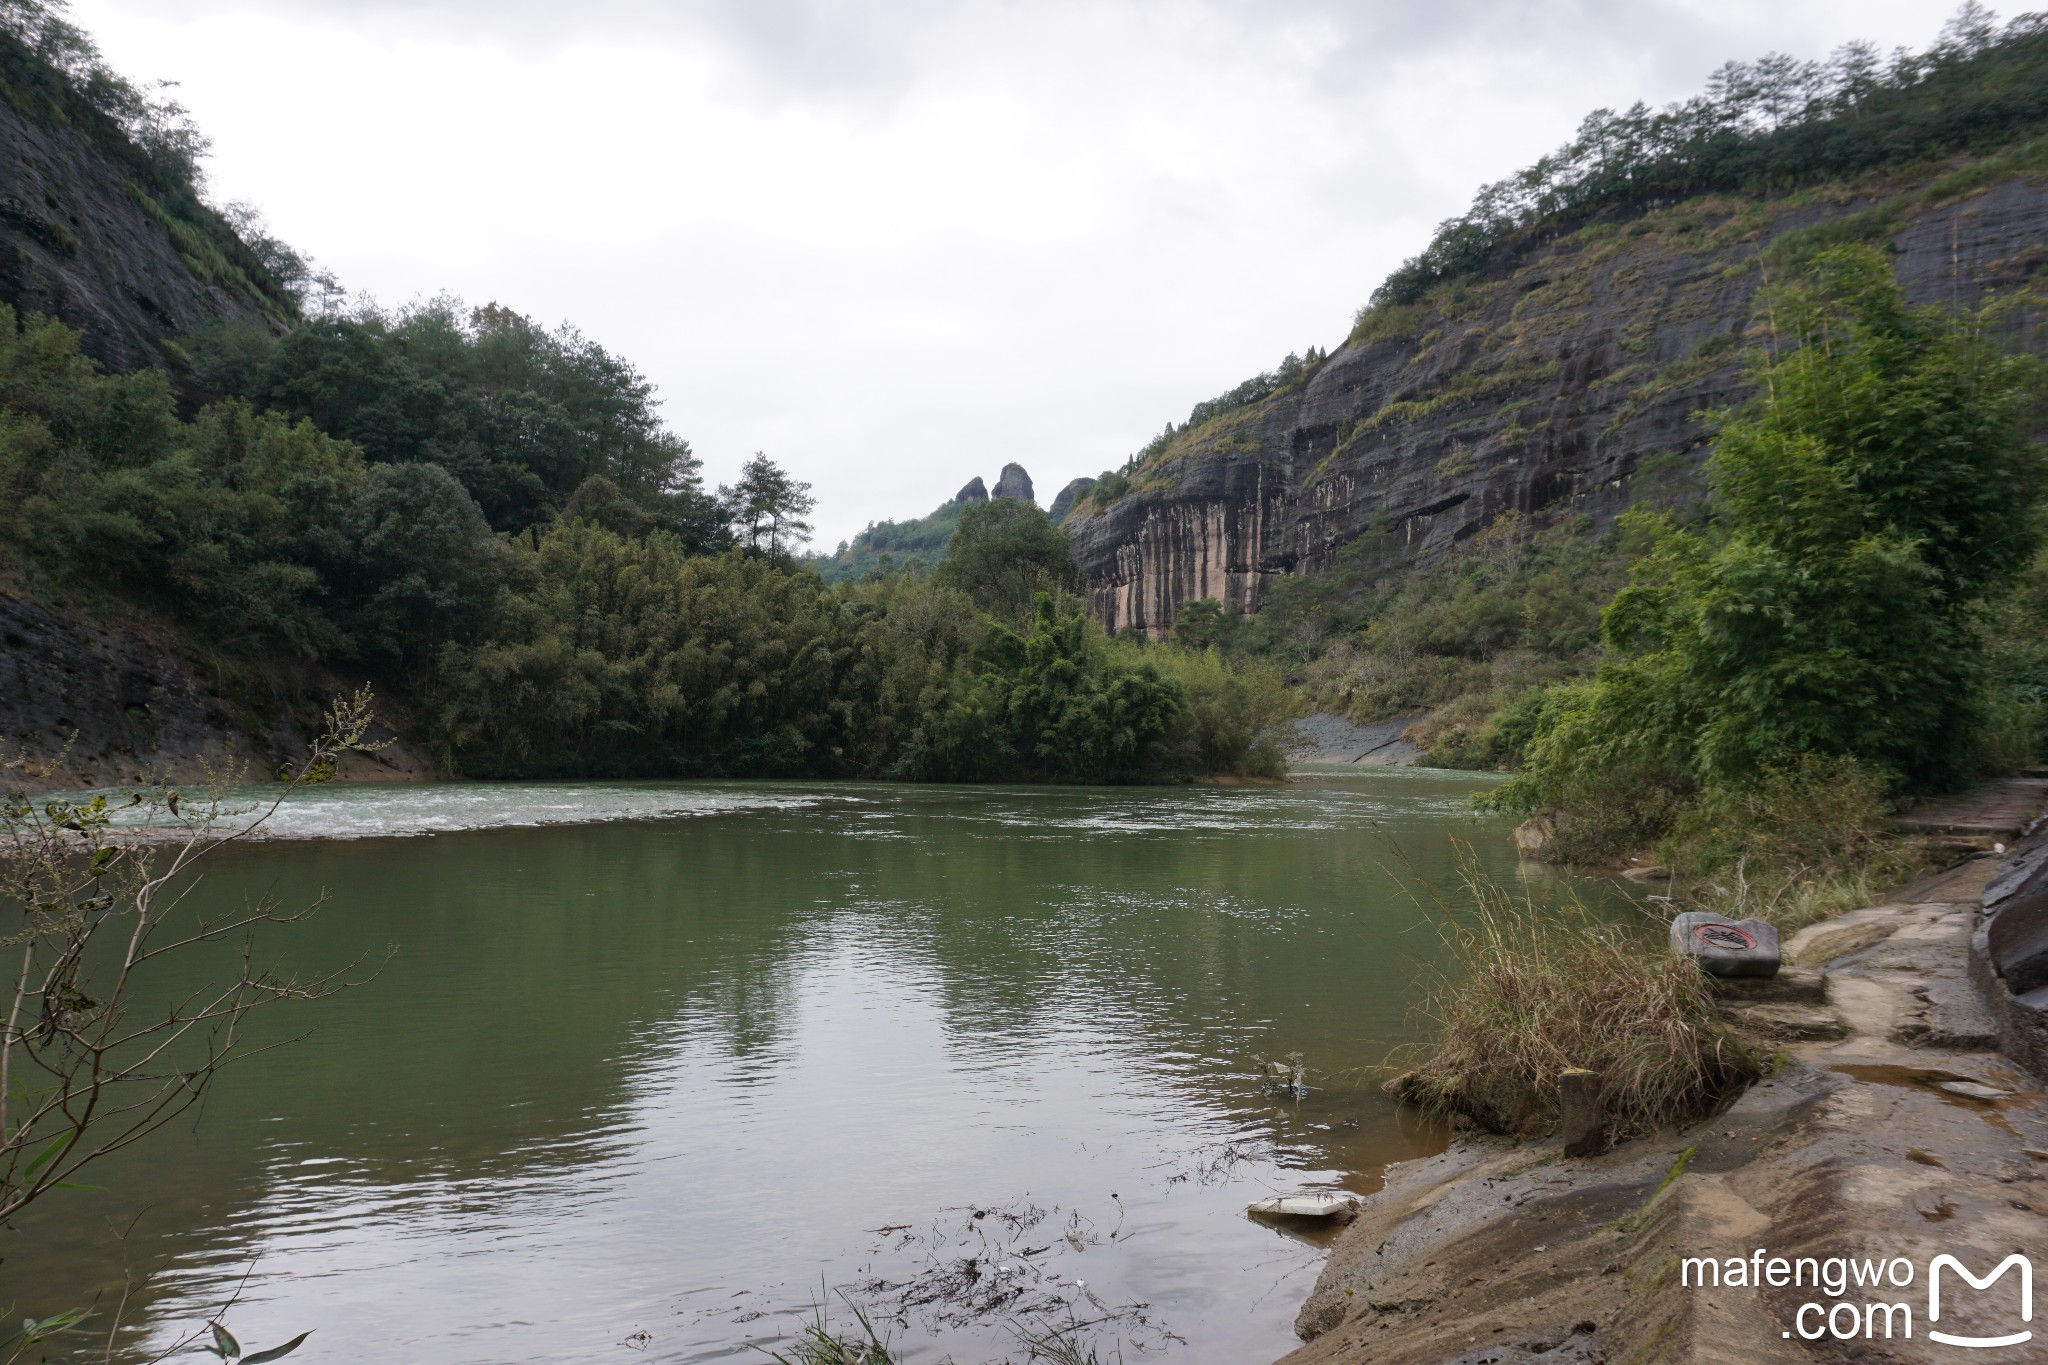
(91, 892)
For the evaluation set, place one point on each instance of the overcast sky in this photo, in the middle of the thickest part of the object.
(898, 243)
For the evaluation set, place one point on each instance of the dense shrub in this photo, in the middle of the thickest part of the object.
(1004, 553)
(228, 520)
(1051, 704)
(1804, 840)
(632, 656)
(1229, 723)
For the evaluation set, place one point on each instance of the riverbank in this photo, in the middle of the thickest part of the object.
(1323, 741)
(1891, 1127)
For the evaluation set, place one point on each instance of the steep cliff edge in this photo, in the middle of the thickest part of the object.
(1566, 377)
(94, 232)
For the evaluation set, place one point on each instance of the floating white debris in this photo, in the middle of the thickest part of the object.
(1305, 1206)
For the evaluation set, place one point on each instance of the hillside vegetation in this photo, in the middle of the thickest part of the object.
(1767, 124)
(51, 70)
(886, 547)
(1851, 149)
(490, 519)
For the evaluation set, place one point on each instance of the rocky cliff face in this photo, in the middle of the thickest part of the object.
(83, 239)
(1566, 379)
(100, 701)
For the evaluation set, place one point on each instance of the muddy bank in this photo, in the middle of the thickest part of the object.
(1891, 1128)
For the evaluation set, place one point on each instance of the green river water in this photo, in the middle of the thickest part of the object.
(658, 1067)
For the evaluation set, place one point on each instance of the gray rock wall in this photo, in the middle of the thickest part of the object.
(79, 243)
(87, 701)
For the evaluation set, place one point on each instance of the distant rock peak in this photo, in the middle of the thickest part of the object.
(1014, 483)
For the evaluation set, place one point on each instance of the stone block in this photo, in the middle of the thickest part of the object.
(1726, 947)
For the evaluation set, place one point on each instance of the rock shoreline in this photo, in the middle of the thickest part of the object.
(1892, 1126)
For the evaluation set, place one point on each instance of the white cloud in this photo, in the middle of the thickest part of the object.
(899, 244)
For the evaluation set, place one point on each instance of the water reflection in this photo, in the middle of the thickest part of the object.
(641, 1089)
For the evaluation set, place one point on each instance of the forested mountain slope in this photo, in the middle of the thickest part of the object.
(1553, 351)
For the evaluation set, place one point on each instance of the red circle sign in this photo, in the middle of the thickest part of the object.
(1726, 937)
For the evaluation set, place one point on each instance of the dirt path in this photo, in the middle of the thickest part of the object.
(1891, 1130)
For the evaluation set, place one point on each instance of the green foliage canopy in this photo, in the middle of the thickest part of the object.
(1004, 553)
(599, 638)
(1767, 122)
(520, 415)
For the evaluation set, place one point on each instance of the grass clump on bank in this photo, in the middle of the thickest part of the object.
(1531, 991)
(1809, 839)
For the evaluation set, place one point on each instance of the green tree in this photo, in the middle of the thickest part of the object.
(624, 655)
(522, 416)
(1004, 553)
(767, 508)
(421, 567)
(1050, 704)
(1200, 624)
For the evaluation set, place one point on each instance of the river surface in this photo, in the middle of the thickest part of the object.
(657, 1069)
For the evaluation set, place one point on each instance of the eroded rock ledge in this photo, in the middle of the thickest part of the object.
(1906, 1135)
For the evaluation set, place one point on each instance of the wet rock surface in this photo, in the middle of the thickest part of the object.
(2009, 955)
(1321, 741)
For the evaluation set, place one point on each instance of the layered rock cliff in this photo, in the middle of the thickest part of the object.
(95, 236)
(1567, 377)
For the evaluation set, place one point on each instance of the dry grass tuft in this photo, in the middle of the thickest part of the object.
(1533, 990)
